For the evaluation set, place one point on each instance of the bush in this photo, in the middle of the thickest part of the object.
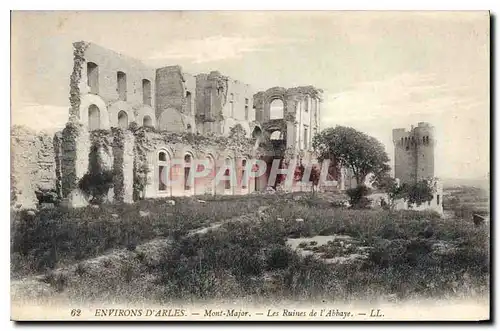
(416, 193)
(96, 185)
(279, 257)
(52, 237)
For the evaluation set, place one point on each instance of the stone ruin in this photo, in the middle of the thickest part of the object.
(130, 120)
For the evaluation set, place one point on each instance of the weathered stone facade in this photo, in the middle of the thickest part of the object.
(32, 166)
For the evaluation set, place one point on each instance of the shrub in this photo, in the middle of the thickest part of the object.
(415, 193)
(96, 185)
(59, 236)
(357, 196)
(279, 257)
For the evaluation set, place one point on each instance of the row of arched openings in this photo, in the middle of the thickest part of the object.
(121, 84)
(94, 119)
(277, 108)
(163, 163)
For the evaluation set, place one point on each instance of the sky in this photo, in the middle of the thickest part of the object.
(379, 70)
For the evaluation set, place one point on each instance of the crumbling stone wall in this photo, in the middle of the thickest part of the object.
(32, 166)
(123, 165)
(212, 92)
(107, 98)
(295, 103)
(148, 143)
(57, 158)
(223, 103)
(76, 81)
(75, 146)
(174, 109)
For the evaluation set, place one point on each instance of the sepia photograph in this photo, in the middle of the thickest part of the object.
(250, 166)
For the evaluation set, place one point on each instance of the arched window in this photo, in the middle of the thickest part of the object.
(121, 79)
(257, 132)
(147, 121)
(306, 104)
(122, 119)
(93, 77)
(187, 170)
(276, 109)
(163, 171)
(94, 118)
(146, 92)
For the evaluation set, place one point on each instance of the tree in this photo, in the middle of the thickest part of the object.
(414, 193)
(355, 150)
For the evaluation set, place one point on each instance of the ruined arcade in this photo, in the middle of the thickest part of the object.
(133, 120)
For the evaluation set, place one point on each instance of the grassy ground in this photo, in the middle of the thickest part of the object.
(56, 237)
(464, 201)
(413, 254)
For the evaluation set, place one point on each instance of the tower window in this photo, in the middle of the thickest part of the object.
(246, 113)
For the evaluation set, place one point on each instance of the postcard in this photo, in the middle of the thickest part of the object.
(250, 166)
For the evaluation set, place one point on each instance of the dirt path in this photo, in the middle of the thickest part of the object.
(38, 285)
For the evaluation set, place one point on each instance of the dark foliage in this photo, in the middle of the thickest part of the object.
(357, 196)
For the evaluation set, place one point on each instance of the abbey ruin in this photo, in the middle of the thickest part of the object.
(133, 120)
(136, 122)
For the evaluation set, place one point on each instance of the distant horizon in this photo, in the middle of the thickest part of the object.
(378, 70)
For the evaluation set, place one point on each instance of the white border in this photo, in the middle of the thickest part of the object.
(185, 5)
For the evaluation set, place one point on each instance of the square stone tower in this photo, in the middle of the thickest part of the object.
(414, 153)
(414, 162)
